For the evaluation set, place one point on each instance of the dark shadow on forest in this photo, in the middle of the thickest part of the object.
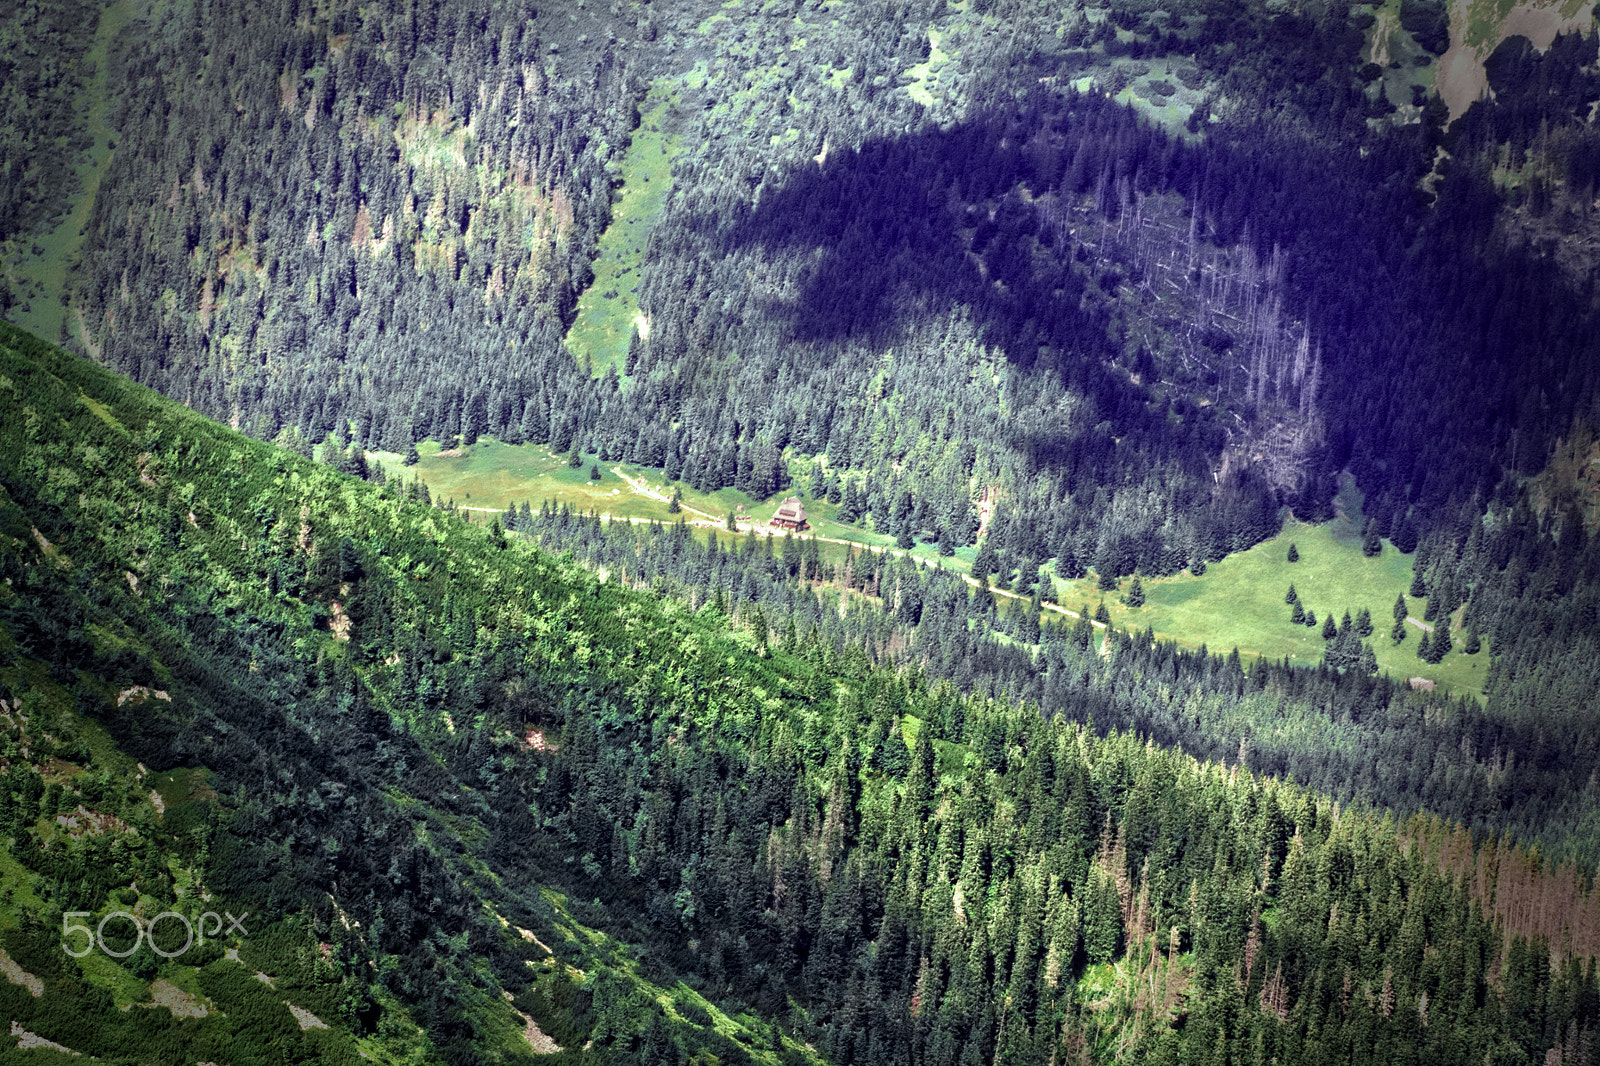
(901, 230)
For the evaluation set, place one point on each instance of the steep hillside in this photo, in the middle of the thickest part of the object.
(1151, 324)
(440, 768)
(233, 683)
(1477, 28)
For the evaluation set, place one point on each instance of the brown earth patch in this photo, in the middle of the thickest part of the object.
(140, 693)
(182, 1004)
(84, 822)
(306, 1019)
(338, 621)
(18, 976)
(27, 1040)
(1461, 80)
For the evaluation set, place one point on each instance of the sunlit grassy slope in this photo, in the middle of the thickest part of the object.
(489, 477)
(608, 310)
(1238, 602)
(40, 277)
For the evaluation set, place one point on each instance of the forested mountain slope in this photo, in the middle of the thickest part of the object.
(390, 735)
(306, 213)
(1150, 337)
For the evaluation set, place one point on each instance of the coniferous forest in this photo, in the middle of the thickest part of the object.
(1050, 291)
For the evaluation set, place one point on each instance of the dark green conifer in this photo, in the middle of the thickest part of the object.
(1371, 545)
(1028, 624)
(1442, 644)
(985, 562)
(1294, 553)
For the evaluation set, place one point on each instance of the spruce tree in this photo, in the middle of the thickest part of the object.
(1473, 644)
(574, 460)
(758, 627)
(631, 362)
(1292, 595)
(1329, 630)
(675, 505)
(1047, 587)
(1423, 651)
(1028, 625)
(850, 510)
(1371, 545)
(594, 472)
(411, 457)
(1364, 624)
(733, 523)
(1311, 618)
(1442, 644)
(986, 562)
(1136, 593)
(1298, 615)
(1294, 553)
(1398, 633)
(1419, 588)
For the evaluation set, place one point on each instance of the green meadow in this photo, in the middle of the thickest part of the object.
(38, 266)
(1237, 602)
(490, 477)
(608, 310)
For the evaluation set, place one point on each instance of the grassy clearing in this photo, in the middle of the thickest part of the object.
(42, 276)
(1239, 602)
(608, 310)
(926, 73)
(490, 477)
